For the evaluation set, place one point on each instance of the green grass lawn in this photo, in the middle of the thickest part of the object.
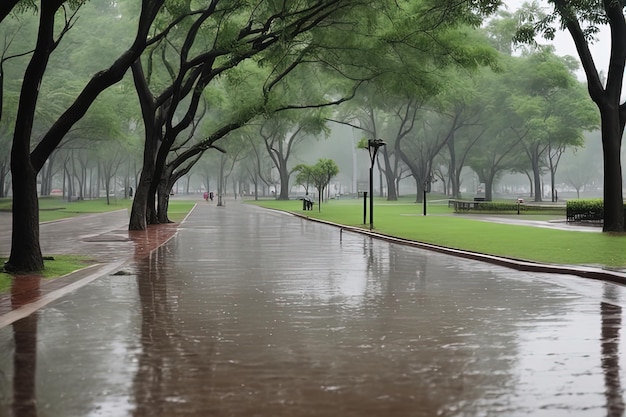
(58, 266)
(443, 227)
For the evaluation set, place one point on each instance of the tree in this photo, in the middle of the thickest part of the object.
(25, 164)
(501, 128)
(582, 20)
(25, 250)
(4, 160)
(258, 165)
(582, 167)
(417, 69)
(372, 112)
(574, 115)
(282, 134)
(322, 172)
(234, 152)
(551, 114)
(212, 47)
(463, 107)
(304, 176)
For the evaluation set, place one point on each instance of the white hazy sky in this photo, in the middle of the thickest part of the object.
(565, 46)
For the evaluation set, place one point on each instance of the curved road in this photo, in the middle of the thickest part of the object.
(249, 312)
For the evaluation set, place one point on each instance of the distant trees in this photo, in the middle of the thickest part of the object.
(281, 136)
(546, 111)
(581, 169)
(527, 105)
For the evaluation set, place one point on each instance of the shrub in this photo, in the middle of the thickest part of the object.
(591, 210)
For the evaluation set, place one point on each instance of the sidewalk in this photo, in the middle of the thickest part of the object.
(103, 238)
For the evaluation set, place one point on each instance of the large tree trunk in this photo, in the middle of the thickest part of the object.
(611, 146)
(538, 183)
(454, 176)
(140, 209)
(489, 188)
(390, 180)
(390, 177)
(530, 184)
(3, 178)
(138, 213)
(107, 189)
(163, 199)
(151, 211)
(284, 184)
(25, 250)
(553, 192)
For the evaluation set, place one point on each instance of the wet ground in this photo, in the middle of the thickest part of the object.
(248, 312)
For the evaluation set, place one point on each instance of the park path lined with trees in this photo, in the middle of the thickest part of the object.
(202, 76)
(224, 304)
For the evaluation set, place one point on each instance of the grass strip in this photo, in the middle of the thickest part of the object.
(54, 267)
(443, 227)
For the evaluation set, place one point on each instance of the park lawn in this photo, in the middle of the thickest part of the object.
(179, 209)
(442, 227)
(59, 266)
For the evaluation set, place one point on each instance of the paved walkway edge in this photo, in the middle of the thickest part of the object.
(520, 265)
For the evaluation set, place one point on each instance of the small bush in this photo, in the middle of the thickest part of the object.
(591, 210)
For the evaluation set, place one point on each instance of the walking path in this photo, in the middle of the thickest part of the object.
(105, 239)
(102, 238)
(245, 311)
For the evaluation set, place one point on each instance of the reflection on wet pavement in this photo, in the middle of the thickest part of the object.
(253, 313)
(24, 291)
(611, 325)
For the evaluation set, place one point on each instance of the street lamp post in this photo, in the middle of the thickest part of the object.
(427, 182)
(372, 147)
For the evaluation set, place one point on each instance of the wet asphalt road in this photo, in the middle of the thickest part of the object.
(248, 312)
